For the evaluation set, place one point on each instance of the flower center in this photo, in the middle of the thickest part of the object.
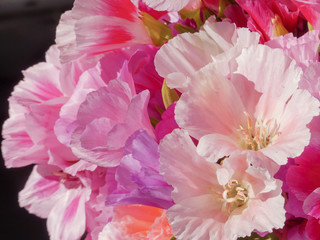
(68, 180)
(234, 195)
(260, 135)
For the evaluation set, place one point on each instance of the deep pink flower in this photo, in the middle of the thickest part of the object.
(236, 14)
(303, 181)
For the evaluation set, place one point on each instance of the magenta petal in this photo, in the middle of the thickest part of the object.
(167, 124)
(302, 180)
(313, 228)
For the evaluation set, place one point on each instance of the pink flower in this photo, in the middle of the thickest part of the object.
(99, 136)
(68, 202)
(141, 222)
(29, 136)
(228, 105)
(122, 91)
(98, 26)
(217, 202)
(25, 131)
(132, 65)
(34, 107)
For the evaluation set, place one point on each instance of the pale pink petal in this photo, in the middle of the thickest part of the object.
(67, 219)
(266, 215)
(97, 155)
(65, 125)
(291, 143)
(17, 148)
(187, 53)
(170, 5)
(311, 79)
(224, 33)
(136, 118)
(114, 99)
(279, 80)
(185, 218)
(41, 83)
(212, 105)
(246, 91)
(34, 105)
(41, 192)
(303, 49)
(216, 146)
(66, 36)
(180, 165)
(99, 136)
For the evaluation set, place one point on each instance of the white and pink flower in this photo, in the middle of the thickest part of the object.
(214, 201)
(237, 96)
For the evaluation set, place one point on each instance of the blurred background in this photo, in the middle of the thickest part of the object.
(27, 29)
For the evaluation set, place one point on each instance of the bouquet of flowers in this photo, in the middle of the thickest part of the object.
(173, 119)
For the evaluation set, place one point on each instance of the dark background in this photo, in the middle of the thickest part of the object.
(27, 29)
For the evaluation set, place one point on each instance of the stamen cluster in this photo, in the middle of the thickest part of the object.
(234, 195)
(260, 135)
